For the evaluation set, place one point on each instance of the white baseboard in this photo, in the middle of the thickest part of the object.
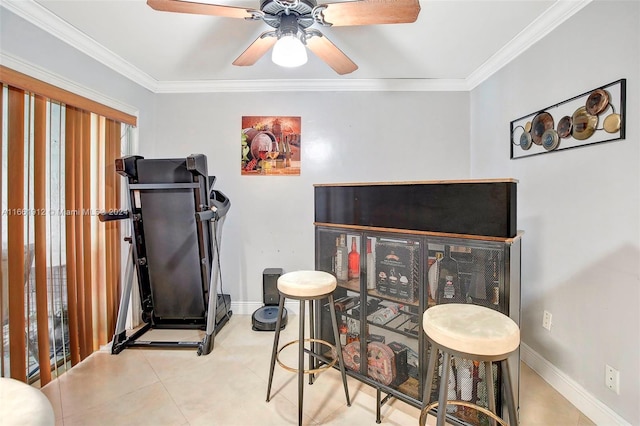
(248, 308)
(591, 407)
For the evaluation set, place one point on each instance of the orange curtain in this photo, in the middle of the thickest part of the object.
(105, 257)
(40, 205)
(112, 228)
(92, 249)
(15, 231)
(3, 298)
(74, 270)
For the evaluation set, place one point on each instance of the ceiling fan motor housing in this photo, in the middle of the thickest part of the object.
(277, 13)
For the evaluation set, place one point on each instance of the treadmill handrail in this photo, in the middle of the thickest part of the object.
(164, 185)
(206, 215)
(113, 215)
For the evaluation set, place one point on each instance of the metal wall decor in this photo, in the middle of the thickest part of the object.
(592, 117)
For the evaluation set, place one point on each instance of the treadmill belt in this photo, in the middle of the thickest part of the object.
(171, 240)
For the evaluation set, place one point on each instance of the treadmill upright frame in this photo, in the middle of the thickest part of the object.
(175, 224)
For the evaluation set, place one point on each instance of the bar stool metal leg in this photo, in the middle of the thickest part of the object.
(336, 337)
(276, 341)
(442, 401)
(433, 358)
(491, 392)
(313, 346)
(300, 362)
(378, 405)
(511, 405)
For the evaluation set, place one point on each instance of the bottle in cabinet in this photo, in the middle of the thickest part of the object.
(465, 382)
(495, 284)
(341, 261)
(354, 260)
(477, 283)
(451, 388)
(464, 379)
(449, 290)
(371, 267)
(343, 330)
(384, 315)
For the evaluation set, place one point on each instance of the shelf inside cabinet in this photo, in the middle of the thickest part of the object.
(351, 285)
(404, 323)
(411, 388)
(377, 294)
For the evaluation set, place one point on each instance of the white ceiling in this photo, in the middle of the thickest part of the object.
(454, 43)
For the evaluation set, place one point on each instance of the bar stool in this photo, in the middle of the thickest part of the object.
(307, 286)
(470, 332)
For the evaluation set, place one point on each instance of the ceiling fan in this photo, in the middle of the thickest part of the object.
(291, 20)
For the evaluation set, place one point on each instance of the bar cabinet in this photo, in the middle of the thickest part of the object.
(397, 249)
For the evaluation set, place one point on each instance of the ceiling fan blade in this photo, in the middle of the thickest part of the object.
(256, 50)
(199, 8)
(371, 12)
(329, 53)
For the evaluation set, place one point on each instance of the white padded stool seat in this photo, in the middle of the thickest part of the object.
(303, 284)
(21, 404)
(471, 329)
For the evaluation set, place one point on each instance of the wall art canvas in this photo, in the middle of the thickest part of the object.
(270, 146)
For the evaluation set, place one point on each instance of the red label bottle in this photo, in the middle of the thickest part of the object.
(354, 260)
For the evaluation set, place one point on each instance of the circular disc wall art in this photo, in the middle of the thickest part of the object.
(595, 116)
(564, 127)
(597, 101)
(550, 139)
(541, 122)
(612, 123)
(525, 140)
(584, 124)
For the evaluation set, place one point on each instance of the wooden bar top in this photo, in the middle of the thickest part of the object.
(423, 182)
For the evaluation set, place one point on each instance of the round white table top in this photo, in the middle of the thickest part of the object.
(21, 404)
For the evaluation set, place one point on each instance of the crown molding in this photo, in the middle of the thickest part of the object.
(43, 18)
(20, 65)
(555, 15)
(312, 85)
(46, 20)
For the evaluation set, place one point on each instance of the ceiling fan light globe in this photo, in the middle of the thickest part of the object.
(289, 52)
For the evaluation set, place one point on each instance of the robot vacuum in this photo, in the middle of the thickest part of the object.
(265, 318)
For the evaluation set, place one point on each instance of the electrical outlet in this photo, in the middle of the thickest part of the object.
(612, 379)
(546, 320)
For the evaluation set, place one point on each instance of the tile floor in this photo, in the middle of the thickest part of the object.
(228, 387)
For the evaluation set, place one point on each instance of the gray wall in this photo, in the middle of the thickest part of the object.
(346, 137)
(579, 208)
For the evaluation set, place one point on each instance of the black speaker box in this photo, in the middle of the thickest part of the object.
(264, 319)
(270, 285)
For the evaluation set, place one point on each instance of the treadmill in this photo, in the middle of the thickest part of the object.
(176, 223)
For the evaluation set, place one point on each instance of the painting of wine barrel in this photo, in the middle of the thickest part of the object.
(255, 138)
